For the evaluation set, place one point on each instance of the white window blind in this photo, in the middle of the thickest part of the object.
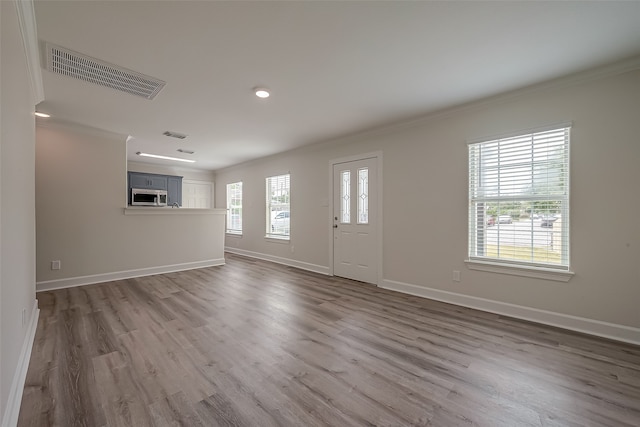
(278, 206)
(519, 199)
(234, 208)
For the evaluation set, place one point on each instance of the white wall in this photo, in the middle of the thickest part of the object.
(17, 211)
(81, 182)
(185, 173)
(425, 203)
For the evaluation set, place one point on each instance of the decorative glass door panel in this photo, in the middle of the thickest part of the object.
(355, 227)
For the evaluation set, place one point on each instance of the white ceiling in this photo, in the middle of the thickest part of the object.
(334, 68)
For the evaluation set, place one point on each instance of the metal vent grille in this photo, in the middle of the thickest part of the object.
(174, 134)
(182, 150)
(73, 64)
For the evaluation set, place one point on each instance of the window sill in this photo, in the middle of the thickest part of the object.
(277, 239)
(237, 234)
(518, 270)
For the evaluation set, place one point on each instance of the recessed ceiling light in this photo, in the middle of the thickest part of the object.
(43, 115)
(157, 156)
(261, 92)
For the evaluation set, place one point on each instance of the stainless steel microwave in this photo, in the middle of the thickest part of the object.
(146, 197)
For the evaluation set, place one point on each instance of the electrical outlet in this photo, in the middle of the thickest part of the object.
(56, 265)
(292, 248)
(456, 275)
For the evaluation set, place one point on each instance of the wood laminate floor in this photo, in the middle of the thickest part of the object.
(253, 343)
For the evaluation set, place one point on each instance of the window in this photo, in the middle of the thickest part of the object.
(519, 200)
(363, 196)
(278, 202)
(234, 208)
(345, 197)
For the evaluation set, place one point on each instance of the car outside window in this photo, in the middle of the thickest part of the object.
(278, 214)
(519, 199)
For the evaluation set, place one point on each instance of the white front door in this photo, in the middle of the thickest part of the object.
(355, 216)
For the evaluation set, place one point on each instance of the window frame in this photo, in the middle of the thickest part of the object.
(270, 233)
(477, 223)
(228, 229)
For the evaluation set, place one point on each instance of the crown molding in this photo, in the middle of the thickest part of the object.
(592, 74)
(69, 126)
(173, 168)
(596, 73)
(623, 66)
(27, 22)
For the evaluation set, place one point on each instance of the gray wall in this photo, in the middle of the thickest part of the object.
(425, 200)
(81, 182)
(17, 211)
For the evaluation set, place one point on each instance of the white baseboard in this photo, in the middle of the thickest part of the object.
(12, 412)
(321, 269)
(580, 324)
(119, 275)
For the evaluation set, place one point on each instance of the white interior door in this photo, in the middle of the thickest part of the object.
(197, 194)
(355, 216)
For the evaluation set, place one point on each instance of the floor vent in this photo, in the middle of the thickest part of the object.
(73, 64)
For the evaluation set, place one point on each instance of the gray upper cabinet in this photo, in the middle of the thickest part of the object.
(158, 182)
(152, 181)
(138, 180)
(149, 181)
(174, 190)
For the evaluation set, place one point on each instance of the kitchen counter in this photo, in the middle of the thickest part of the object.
(150, 210)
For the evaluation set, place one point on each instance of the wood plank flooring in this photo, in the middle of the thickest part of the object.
(253, 343)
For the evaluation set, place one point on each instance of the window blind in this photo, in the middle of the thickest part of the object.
(234, 208)
(519, 199)
(278, 201)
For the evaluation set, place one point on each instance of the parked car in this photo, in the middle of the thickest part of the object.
(280, 222)
(504, 219)
(547, 221)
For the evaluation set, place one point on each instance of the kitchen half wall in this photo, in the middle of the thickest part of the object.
(80, 216)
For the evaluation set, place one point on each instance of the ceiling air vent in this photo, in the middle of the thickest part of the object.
(73, 64)
(182, 150)
(174, 134)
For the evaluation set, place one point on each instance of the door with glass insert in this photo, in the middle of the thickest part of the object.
(355, 239)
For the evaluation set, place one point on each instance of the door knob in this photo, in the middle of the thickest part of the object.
(335, 225)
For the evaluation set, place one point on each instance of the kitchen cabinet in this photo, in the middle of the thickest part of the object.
(149, 181)
(174, 190)
(152, 181)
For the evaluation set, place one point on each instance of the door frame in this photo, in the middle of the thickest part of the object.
(372, 155)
